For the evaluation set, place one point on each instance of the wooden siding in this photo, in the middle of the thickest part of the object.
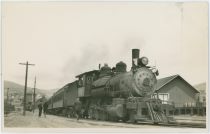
(179, 92)
(50, 104)
(58, 104)
(58, 98)
(71, 93)
(88, 84)
(81, 91)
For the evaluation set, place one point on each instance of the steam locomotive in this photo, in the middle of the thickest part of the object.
(113, 94)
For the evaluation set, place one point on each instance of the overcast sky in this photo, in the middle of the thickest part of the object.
(68, 38)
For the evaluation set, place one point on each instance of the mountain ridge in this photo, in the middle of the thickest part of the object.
(16, 87)
(200, 86)
(19, 89)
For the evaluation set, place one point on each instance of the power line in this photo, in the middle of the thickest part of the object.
(25, 90)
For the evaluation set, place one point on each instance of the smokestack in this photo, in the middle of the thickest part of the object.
(99, 66)
(135, 57)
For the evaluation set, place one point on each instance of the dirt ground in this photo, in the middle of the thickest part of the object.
(31, 120)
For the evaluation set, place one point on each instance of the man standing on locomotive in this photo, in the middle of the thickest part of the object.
(78, 108)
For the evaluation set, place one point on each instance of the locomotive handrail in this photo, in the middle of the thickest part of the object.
(167, 102)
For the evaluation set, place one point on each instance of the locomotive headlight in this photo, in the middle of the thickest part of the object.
(144, 60)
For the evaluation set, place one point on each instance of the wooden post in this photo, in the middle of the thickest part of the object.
(34, 96)
(7, 103)
(7, 95)
(25, 89)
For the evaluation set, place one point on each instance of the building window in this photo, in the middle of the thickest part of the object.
(164, 97)
(89, 80)
(80, 82)
(204, 98)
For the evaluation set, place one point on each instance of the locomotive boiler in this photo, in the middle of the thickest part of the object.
(138, 82)
(115, 93)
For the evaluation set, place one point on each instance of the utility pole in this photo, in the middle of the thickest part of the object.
(7, 103)
(25, 90)
(34, 94)
(7, 95)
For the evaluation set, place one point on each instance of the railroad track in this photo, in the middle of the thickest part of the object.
(177, 125)
(173, 125)
(188, 125)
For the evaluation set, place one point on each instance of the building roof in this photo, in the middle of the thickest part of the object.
(164, 81)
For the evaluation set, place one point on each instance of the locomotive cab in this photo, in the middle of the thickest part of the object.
(85, 81)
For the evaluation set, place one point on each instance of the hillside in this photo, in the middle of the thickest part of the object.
(19, 89)
(200, 87)
(14, 87)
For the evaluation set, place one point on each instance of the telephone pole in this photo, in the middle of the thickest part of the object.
(25, 90)
(34, 94)
(7, 95)
(7, 103)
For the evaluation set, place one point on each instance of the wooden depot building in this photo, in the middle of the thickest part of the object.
(178, 96)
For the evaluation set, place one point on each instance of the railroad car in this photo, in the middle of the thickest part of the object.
(62, 101)
(70, 96)
(50, 105)
(113, 94)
